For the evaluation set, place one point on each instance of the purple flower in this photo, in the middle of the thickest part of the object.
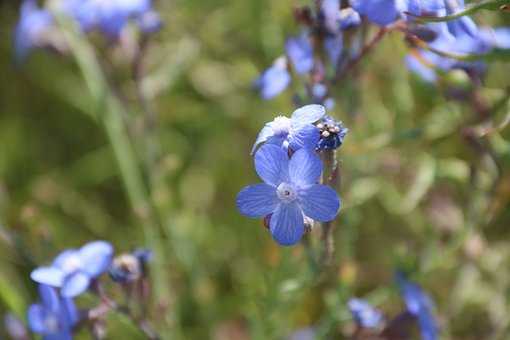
(365, 314)
(32, 28)
(290, 191)
(74, 269)
(274, 80)
(295, 132)
(53, 317)
(419, 305)
(300, 52)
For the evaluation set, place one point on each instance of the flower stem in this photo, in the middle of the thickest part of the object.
(331, 177)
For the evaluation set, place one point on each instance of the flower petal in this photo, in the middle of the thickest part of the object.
(272, 164)
(307, 114)
(307, 137)
(67, 261)
(96, 257)
(286, 225)
(264, 134)
(305, 168)
(49, 297)
(75, 284)
(274, 80)
(36, 316)
(48, 275)
(257, 200)
(300, 52)
(319, 202)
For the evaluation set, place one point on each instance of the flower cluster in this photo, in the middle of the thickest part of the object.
(73, 272)
(36, 26)
(321, 53)
(291, 193)
(419, 309)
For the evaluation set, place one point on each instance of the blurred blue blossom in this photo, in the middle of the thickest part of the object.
(332, 133)
(307, 333)
(54, 316)
(274, 80)
(300, 52)
(295, 132)
(365, 314)
(74, 269)
(419, 305)
(349, 18)
(290, 191)
(380, 12)
(32, 28)
(111, 16)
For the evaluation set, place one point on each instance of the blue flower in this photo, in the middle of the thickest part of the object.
(332, 133)
(380, 12)
(349, 18)
(32, 28)
(54, 317)
(424, 7)
(74, 269)
(364, 314)
(307, 333)
(111, 16)
(330, 14)
(419, 305)
(300, 53)
(295, 132)
(289, 192)
(274, 80)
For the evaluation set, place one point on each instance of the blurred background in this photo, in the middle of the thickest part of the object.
(416, 191)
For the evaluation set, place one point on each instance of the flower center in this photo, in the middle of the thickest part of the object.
(286, 192)
(281, 126)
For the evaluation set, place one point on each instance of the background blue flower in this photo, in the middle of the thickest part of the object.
(274, 80)
(289, 191)
(54, 316)
(33, 25)
(364, 313)
(74, 269)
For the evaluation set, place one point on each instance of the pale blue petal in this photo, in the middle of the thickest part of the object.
(75, 284)
(96, 257)
(36, 316)
(264, 135)
(257, 200)
(307, 114)
(272, 164)
(48, 275)
(287, 226)
(319, 202)
(274, 80)
(364, 313)
(305, 168)
(333, 46)
(69, 312)
(306, 137)
(380, 12)
(67, 260)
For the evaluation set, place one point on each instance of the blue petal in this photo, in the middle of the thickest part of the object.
(68, 261)
(307, 114)
(364, 314)
(30, 28)
(333, 46)
(300, 52)
(264, 135)
(96, 257)
(380, 12)
(330, 10)
(306, 137)
(69, 312)
(274, 80)
(425, 72)
(498, 37)
(257, 200)
(349, 18)
(305, 168)
(36, 316)
(319, 202)
(48, 275)
(272, 164)
(49, 297)
(75, 284)
(286, 225)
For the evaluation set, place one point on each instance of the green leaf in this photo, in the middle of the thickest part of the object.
(491, 5)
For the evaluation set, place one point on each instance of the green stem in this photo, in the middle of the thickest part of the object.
(330, 177)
